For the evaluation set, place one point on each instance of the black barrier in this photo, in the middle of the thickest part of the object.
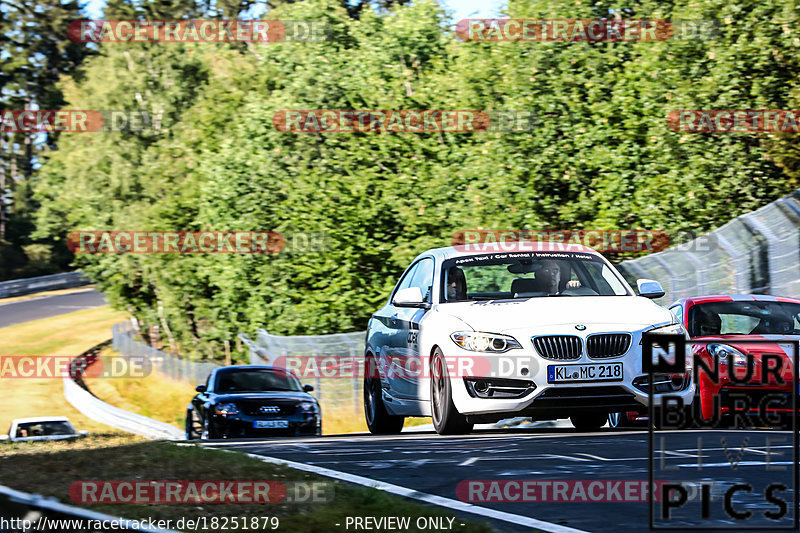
(747, 392)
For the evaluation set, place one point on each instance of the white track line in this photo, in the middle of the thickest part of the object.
(453, 505)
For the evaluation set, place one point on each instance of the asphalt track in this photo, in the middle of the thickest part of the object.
(430, 467)
(435, 465)
(48, 306)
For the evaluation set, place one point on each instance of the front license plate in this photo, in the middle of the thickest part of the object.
(584, 373)
(271, 424)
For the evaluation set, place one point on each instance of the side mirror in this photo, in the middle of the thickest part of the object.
(83, 433)
(4, 438)
(409, 297)
(649, 288)
(200, 388)
(308, 388)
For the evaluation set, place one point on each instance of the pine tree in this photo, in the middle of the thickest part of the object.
(35, 52)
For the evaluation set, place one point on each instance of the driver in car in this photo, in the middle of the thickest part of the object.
(550, 274)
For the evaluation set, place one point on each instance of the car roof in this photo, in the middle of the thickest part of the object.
(734, 298)
(40, 419)
(449, 252)
(249, 367)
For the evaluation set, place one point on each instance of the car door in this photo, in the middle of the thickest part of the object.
(383, 328)
(407, 362)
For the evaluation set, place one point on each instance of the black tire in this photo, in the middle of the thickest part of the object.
(379, 421)
(589, 421)
(193, 426)
(446, 418)
(618, 420)
(209, 432)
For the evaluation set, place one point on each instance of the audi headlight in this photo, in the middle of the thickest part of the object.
(226, 409)
(484, 342)
(727, 354)
(308, 407)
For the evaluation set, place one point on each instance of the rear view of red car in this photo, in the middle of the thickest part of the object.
(731, 330)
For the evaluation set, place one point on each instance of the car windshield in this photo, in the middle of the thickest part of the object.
(744, 318)
(43, 429)
(529, 275)
(256, 381)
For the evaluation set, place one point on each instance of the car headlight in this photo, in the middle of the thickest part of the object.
(308, 407)
(725, 354)
(226, 409)
(484, 342)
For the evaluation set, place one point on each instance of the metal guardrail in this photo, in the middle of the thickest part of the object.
(100, 411)
(756, 253)
(34, 507)
(20, 287)
(344, 392)
(78, 395)
(178, 368)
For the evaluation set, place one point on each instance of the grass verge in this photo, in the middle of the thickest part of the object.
(50, 469)
(159, 397)
(64, 335)
(155, 396)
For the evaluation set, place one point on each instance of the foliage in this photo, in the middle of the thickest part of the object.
(599, 157)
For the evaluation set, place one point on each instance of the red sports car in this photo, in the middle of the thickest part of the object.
(719, 327)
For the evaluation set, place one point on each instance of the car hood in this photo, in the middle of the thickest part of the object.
(265, 397)
(617, 312)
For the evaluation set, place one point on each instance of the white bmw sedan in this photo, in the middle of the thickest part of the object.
(547, 331)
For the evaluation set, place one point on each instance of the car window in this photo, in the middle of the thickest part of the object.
(423, 278)
(405, 281)
(255, 381)
(529, 275)
(744, 318)
(737, 323)
(605, 280)
(41, 429)
(677, 310)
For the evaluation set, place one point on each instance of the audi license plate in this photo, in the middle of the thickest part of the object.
(584, 373)
(271, 424)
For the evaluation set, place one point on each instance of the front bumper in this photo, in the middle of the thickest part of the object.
(242, 425)
(528, 372)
